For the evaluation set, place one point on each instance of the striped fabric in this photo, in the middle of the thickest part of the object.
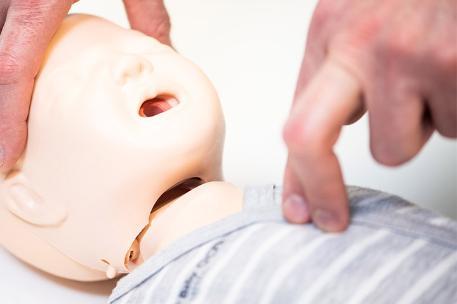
(393, 252)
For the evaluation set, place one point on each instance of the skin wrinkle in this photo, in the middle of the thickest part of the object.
(25, 24)
(18, 67)
(27, 27)
(404, 60)
(163, 30)
(2, 155)
(8, 68)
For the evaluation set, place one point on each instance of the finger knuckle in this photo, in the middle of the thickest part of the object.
(28, 14)
(162, 28)
(358, 35)
(448, 133)
(446, 59)
(448, 130)
(323, 12)
(303, 138)
(387, 156)
(398, 45)
(365, 30)
(35, 6)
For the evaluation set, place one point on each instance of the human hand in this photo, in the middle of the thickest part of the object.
(398, 60)
(149, 17)
(27, 28)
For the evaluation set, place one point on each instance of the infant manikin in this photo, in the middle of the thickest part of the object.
(122, 172)
(116, 120)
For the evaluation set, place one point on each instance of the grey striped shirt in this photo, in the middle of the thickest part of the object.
(393, 252)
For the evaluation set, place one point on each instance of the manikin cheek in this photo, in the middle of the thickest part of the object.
(157, 105)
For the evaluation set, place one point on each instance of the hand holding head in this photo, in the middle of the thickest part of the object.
(26, 29)
(116, 120)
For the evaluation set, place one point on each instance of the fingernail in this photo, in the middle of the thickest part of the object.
(326, 220)
(295, 209)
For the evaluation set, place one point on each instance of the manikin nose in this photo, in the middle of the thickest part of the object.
(137, 69)
(132, 67)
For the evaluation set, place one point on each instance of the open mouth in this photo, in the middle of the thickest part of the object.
(133, 257)
(157, 105)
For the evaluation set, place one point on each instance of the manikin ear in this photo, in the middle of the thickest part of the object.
(24, 202)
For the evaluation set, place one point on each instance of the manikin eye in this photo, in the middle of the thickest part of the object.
(157, 105)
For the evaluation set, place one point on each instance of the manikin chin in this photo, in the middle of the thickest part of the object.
(123, 155)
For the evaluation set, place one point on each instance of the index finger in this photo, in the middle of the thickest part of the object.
(315, 123)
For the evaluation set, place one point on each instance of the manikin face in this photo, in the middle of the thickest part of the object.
(116, 120)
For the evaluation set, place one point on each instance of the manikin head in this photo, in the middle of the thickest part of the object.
(116, 120)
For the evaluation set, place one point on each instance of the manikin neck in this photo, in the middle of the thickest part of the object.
(201, 206)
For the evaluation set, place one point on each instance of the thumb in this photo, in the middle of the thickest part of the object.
(149, 17)
(28, 27)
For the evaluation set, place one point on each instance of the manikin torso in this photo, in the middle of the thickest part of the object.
(117, 119)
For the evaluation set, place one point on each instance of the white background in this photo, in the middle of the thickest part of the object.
(251, 50)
